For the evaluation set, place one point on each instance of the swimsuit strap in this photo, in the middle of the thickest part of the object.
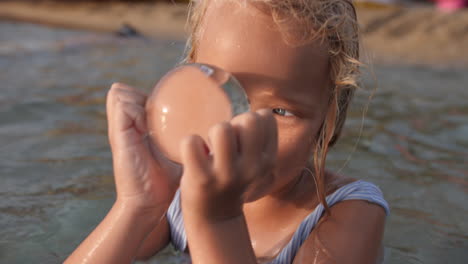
(176, 224)
(357, 190)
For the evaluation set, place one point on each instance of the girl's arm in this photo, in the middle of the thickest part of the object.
(117, 238)
(156, 241)
(351, 234)
(215, 242)
(215, 186)
(145, 185)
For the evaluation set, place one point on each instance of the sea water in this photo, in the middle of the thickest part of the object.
(55, 163)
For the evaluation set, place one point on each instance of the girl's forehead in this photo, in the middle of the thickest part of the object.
(240, 38)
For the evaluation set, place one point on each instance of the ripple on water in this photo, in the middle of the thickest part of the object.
(56, 165)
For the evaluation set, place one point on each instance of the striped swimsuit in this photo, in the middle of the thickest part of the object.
(358, 190)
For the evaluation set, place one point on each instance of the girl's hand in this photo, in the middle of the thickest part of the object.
(215, 186)
(143, 179)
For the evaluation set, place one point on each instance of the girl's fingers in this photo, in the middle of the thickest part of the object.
(137, 114)
(119, 98)
(127, 88)
(194, 156)
(267, 130)
(121, 93)
(223, 141)
(130, 97)
(250, 141)
(126, 117)
(270, 132)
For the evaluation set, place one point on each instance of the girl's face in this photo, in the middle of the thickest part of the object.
(292, 81)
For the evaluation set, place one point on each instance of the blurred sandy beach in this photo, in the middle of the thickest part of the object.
(418, 34)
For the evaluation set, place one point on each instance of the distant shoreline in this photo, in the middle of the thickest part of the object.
(394, 35)
(151, 19)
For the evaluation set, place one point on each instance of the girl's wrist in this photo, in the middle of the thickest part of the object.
(143, 215)
(213, 211)
(220, 240)
(118, 237)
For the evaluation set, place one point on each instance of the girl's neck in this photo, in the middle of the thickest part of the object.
(281, 211)
(298, 197)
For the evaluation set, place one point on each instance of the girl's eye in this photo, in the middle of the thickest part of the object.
(282, 112)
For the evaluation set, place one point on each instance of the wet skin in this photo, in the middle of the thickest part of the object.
(251, 189)
(291, 81)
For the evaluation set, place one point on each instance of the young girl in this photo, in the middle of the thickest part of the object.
(258, 191)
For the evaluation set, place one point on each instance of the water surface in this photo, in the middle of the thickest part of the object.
(55, 163)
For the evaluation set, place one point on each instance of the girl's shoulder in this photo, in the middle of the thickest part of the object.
(352, 232)
(342, 188)
(355, 222)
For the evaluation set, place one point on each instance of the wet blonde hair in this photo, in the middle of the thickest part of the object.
(334, 23)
